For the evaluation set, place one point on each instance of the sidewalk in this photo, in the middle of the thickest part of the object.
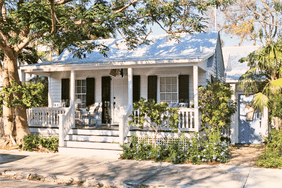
(91, 170)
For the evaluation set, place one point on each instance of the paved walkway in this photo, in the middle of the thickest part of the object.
(93, 170)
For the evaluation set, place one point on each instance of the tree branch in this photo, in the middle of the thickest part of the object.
(26, 40)
(60, 2)
(126, 6)
(53, 17)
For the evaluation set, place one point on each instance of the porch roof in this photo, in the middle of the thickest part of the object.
(191, 49)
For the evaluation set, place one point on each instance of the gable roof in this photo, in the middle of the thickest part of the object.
(194, 47)
(231, 57)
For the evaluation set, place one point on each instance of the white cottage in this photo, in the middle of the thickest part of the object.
(164, 71)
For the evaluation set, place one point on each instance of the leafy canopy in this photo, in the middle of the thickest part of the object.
(67, 23)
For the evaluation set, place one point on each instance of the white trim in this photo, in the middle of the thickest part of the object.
(195, 89)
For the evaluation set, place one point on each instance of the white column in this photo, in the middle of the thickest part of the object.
(23, 76)
(195, 89)
(72, 87)
(233, 130)
(130, 86)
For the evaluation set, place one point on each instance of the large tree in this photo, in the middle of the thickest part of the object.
(259, 21)
(68, 23)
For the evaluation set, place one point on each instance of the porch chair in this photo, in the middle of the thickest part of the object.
(92, 114)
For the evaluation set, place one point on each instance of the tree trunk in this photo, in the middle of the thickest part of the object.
(20, 111)
(8, 113)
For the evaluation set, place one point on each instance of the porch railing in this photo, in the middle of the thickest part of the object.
(44, 116)
(67, 121)
(186, 120)
(123, 125)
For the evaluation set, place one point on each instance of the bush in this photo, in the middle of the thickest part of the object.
(31, 142)
(198, 149)
(272, 156)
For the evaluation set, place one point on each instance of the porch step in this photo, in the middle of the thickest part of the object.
(85, 152)
(94, 132)
(44, 131)
(93, 145)
(94, 138)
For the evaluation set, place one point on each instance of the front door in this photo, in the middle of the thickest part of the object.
(119, 98)
(249, 121)
(106, 99)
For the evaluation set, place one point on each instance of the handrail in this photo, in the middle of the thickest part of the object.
(66, 122)
(123, 125)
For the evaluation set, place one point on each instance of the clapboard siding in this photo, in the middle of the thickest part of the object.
(55, 80)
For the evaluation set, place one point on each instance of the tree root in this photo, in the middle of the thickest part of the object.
(7, 143)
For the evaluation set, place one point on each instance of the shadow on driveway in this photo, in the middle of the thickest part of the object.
(7, 158)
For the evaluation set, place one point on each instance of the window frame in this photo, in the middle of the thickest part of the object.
(83, 104)
(159, 87)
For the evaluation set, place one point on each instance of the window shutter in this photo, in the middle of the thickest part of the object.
(183, 88)
(152, 88)
(90, 91)
(65, 90)
(136, 88)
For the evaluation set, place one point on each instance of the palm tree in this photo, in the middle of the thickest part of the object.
(264, 78)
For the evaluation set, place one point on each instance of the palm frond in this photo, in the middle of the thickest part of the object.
(260, 100)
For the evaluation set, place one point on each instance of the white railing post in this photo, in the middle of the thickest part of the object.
(61, 130)
(121, 130)
(195, 88)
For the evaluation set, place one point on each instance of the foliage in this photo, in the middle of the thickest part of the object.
(198, 149)
(33, 95)
(252, 20)
(156, 115)
(275, 103)
(31, 142)
(272, 156)
(264, 78)
(215, 104)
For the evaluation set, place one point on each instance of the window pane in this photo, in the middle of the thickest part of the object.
(83, 82)
(168, 80)
(162, 97)
(174, 88)
(162, 80)
(168, 97)
(168, 88)
(174, 96)
(162, 89)
(78, 82)
(83, 89)
(78, 90)
(83, 98)
(174, 80)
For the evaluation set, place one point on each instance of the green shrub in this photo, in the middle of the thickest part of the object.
(31, 142)
(272, 156)
(198, 149)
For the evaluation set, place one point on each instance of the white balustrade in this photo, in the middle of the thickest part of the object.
(186, 120)
(67, 121)
(44, 116)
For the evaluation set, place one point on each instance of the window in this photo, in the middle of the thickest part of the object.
(80, 92)
(168, 89)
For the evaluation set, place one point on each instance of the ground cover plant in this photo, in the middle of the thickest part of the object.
(198, 149)
(36, 142)
(272, 155)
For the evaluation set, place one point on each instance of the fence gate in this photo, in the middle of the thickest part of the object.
(249, 121)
